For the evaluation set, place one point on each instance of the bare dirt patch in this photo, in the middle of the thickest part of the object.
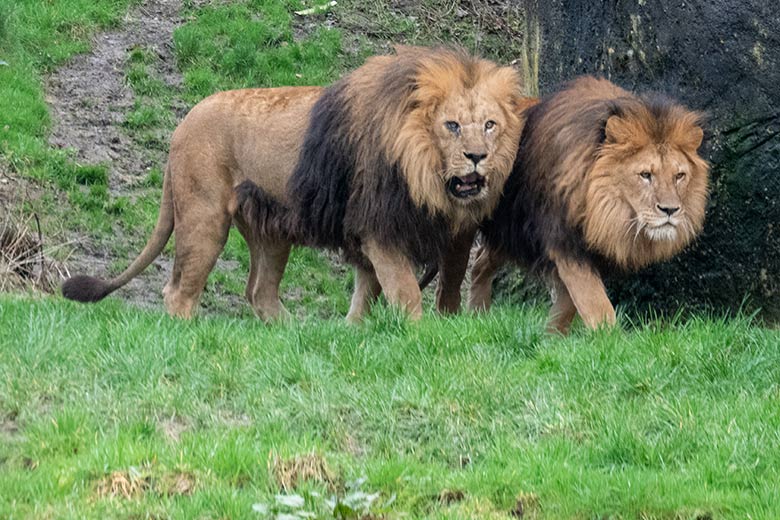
(135, 482)
(174, 426)
(177, 483)
(8, 426)
(123, 484)
(89, 96)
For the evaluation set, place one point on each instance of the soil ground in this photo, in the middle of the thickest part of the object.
(89, 97)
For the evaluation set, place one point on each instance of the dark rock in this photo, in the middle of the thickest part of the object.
(718, 56)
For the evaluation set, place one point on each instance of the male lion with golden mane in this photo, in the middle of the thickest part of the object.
(395, 164)
(604, 181)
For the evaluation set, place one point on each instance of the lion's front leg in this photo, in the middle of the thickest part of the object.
(563, 310)
(396, 277)
(367, 289)
(484, 271)
(452, 270)
(587, 291)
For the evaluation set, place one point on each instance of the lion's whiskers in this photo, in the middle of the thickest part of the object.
(642, 225)
(636, 235)
(631, 223)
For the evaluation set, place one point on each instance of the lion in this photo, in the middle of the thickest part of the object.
(395, 164)
(604, 182)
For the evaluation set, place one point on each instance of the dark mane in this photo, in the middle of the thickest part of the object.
(268, 217)
(319, 187)
(345, 185)
(530, 215)
(382, 208)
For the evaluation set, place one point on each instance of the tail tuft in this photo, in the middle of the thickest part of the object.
(86, 289)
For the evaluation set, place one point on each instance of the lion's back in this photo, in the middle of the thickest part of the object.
(251, 134)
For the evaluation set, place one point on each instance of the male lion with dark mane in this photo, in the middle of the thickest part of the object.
(604, 181)
(395, 164)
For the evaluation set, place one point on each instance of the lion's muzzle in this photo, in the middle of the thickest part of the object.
(465, 187)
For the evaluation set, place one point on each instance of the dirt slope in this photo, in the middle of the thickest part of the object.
(89, 96)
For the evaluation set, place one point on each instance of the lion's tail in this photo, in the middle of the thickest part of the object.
(91, 289)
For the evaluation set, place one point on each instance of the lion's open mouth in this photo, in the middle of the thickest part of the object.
(468, 186)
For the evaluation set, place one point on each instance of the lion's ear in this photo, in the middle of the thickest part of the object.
(521, 103)
(616, 130)
(693, 138)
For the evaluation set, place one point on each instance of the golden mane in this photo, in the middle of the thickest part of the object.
(576, 151)
(399, 95)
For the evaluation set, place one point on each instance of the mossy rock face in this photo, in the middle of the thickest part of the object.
(721, 57)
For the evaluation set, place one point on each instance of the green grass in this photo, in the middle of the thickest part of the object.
(658, 421)
(251, 44)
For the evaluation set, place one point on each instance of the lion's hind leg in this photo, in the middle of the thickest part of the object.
(200, 237)
(266, 226)
(202, 215)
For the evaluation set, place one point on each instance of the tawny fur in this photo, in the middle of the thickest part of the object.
(225, 139)
(596, 167)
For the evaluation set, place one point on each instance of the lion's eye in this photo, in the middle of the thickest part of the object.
(453, 127)
(490, 125)
(680, 176)
(646, 176)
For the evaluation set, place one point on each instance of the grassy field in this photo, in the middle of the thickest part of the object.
(109, 411)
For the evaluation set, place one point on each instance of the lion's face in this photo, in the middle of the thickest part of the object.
(656, 183)
(468, 130)
(647, 194)
(457, 144)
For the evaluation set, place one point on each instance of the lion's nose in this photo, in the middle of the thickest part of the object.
(475, 157)
(669, 210)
